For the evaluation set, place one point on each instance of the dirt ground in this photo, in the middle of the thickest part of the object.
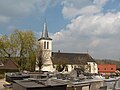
(2, 81)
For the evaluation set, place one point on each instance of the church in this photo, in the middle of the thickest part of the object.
(70, 61)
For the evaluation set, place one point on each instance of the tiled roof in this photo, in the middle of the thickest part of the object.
(1, 63)
(71, 58)
(8, 64)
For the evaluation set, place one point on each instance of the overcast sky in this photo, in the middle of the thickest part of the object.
(74, 25)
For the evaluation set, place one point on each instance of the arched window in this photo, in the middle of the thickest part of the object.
(47, 45)
(44, 45)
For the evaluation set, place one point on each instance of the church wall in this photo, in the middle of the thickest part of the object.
(46, 47)
(42, 44)
(73, 66)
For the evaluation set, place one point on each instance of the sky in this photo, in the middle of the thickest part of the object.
(76, 26)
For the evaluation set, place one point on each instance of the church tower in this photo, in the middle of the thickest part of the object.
(45, 43)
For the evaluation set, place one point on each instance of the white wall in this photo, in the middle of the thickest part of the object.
(46, 54)
(93, 68)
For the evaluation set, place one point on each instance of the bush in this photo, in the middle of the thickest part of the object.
(117, 74)
(1, 76)
(106, 76)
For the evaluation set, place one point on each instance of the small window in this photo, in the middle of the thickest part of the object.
(104, 68)
(111, 68)
(98, 68)
(44, 45)
(47, 45)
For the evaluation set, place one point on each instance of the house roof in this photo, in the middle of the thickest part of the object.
(71, 58)
(8, 64)
(1, 63)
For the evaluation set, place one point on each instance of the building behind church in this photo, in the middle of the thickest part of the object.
(70, 61)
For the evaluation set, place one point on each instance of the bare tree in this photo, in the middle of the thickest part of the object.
(39, 61)
(42, 57)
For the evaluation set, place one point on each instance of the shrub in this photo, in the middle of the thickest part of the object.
(1, 76)
(106, 76)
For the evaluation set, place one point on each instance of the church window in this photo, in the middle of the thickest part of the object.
(44, 45)
(47, 45)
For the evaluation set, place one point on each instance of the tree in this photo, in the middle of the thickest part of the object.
(61, 64)
(26, 48)
(7, 48)
(23, 45)
(60, 67)
(39, 61)
(41, 57)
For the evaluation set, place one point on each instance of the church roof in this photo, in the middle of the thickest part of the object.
(45, 32)
(71, 58)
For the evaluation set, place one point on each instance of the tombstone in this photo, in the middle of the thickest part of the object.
(117, 85)
(73, 73)
(38, 85)
(81, 77)
(55, 72)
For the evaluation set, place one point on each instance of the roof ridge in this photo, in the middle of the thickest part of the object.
(70, 53)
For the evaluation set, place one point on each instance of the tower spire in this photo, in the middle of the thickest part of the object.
(45, 32)
(45, 35)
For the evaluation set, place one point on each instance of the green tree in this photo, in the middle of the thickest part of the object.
(7, 47)
(25, 48)
(23, 45)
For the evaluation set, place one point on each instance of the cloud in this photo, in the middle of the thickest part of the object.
(99, 34)
(92, 9)
(73, 8)
(42, 5)
(15, 8)
(4, 19)
(22, 8)
(0, 34)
